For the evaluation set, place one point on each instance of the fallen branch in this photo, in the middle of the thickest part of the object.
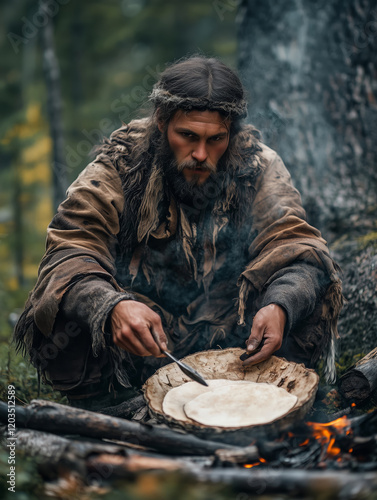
(55, 453)
(329, 484)
(93, 461)
(125, 409)
(56, 418)
(238, 456)
(358, 383)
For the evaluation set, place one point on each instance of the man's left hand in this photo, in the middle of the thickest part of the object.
(268, 327)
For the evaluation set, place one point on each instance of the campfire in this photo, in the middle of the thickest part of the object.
(296, 455)
(341, 454)
(341, 444)
(327, 446)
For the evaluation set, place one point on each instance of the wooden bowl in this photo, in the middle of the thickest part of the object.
(215, 364)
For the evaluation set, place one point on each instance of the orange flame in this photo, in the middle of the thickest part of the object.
(304, 443)
(261, 461)
(326, 433)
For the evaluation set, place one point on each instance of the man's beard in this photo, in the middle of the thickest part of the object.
(191, 193)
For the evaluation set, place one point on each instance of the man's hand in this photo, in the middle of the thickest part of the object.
(131, 325)
(268, 326)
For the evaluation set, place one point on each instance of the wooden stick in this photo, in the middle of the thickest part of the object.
(93, 461)
(58, 456)
(118, 466)
(358, 383)
(53, 417)
(240, 456)
(125, 409)
(329, 484)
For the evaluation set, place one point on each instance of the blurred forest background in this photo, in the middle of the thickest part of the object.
(77, 69)
(109, 56)
(309, 67)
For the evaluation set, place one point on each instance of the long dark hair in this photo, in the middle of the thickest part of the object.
(203, 84)
(198, 83)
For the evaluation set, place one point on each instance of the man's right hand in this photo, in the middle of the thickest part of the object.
(131, 325)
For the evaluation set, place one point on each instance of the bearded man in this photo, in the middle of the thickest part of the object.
(185, 226)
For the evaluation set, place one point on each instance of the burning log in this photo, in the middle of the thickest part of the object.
(238, 456)
(365, 425)
(338, 444)
(56, 418)
(282, 465)
(358, 383)
(92, 462)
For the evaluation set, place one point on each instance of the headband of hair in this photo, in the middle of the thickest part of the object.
(159, 96)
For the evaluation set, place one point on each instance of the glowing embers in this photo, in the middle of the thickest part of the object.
(261, 461)
(327, 435)
(315, 445)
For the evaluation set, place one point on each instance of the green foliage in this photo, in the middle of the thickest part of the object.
(368, 239)
(110, 54)
(17, 371)
(29, 484)
(347, 360)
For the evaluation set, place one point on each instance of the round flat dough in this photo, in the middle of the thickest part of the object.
(239, 405)
(177, 397)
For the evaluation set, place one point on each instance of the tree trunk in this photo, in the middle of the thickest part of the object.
(18, 228)
(54, 102)
(309, 69)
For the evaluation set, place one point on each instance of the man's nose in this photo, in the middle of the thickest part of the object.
(200, 152)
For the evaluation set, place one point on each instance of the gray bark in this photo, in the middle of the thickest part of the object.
(358, 383)
(54, 102)
(309, 68)
(56, 418)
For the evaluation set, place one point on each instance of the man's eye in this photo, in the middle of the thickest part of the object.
(186, 134)
(217, 138)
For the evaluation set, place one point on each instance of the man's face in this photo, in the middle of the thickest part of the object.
(197, 139)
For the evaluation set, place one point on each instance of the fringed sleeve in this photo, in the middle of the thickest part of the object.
(81, 242)
(280, 237)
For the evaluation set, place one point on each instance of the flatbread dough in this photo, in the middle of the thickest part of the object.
(177, 397)
(239, 405)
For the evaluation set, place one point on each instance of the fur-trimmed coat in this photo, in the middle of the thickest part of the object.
(120, 234)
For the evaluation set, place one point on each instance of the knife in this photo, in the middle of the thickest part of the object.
(187, 370)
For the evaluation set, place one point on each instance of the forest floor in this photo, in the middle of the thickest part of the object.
(356, 253)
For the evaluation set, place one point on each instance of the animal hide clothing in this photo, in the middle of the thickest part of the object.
(121, 234)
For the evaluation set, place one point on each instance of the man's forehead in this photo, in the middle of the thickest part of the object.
(196, 118)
